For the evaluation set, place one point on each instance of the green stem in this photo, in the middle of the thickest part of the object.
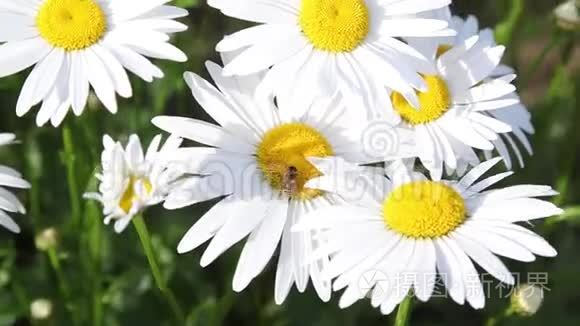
(69, 158)
(20, 294)
(33, 174)
(145, 238)
(495, 320)
(504, 31)
(62, 283)
(94, 247)
(404, 312)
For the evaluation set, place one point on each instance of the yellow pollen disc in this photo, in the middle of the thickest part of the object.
(71, 24)
(432, 104)
(335, 25)
(130, 195)
(282, 157)
(442, 49)
(424, 210)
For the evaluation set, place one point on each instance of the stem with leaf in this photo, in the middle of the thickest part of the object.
(62, 283)
(145, 238)
(71, 175)
(404, 311)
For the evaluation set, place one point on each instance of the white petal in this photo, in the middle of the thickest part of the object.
(336, 215)
(521, 235)
(450, 271)
(7, 222)
(300, 243)
(474, 293)
(412, 6)
(134, 153)
(497, 244)
(116, 72)
(203, 132)
(285, 268)
(261, 56)
(472, 69)
(477, 172)
(216, 105)
(253, 35)
(261, 245)
(13, 181)
(136, 63)
(40, 81)
(126, 10)
(461, 129)
(516, 210)
(488, 182)
(165, 12)
(100, 80)
(159, 50)
(249, 216)
(79, 84)
(16, 56)
(520, 191)
(9, 202)
(425, 275)
(207, 226)
(485, 259)
(487, 91)
(414, 27)
(257, 11)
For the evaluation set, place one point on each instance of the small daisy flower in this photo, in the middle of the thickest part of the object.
(257, 163)
(516, 115)
(75, 44)
(408, 229)
(13, 179)
(456, 114)
(329, 45)
(132, 180)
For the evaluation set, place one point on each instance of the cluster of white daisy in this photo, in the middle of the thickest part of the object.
(325, 112)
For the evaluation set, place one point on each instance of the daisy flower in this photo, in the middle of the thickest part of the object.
(329, 45)
(516, 115)
(13, 179)
(256, 164)
(75, 44)
(132, 180)
(459, 111)
(407, 229)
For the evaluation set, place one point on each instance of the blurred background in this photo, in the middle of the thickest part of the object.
(67, 268)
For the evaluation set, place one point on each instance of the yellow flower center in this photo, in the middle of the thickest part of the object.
(282, 157)
(131, 195)
(335, 25)
(71, 24)
(442, 49)
(432, 104)
(424, 209)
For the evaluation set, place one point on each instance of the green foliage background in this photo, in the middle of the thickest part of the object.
(96, 277)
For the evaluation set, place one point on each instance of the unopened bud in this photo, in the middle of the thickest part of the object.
(568, 16)
(40, 309)
(46, 239)
(527, 299)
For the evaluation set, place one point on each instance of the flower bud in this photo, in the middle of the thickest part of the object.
(527, 299)
(46, 239)
(568, 16)
(41, 309)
